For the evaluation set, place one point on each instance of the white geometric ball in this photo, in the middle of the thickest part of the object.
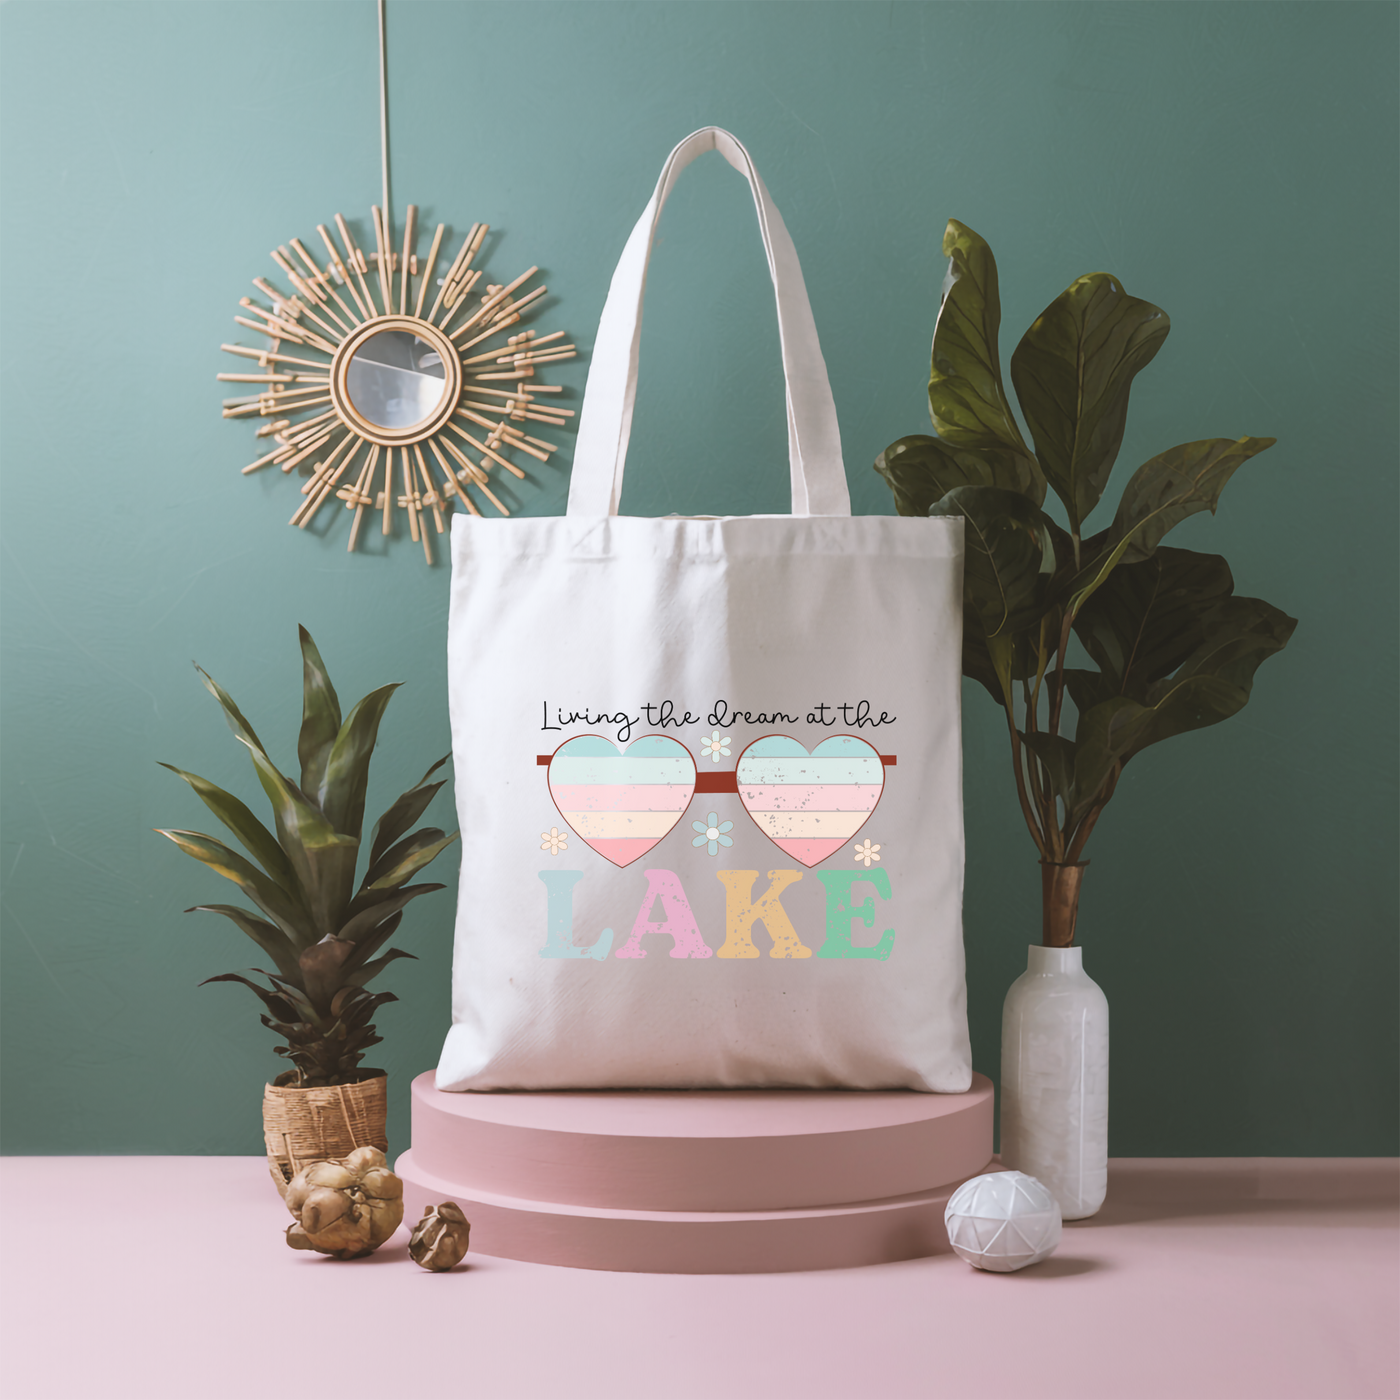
(1003, 1221)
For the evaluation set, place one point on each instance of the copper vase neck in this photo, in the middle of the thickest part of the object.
(1059, 892)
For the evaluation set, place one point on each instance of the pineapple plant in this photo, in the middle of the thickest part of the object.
(322, 932)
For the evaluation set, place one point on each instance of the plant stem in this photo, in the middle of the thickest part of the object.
(1042, 789)
(1036, 834)
(1086, 827)
(1057, 685)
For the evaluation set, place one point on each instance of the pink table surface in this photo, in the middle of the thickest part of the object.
(166, 1278)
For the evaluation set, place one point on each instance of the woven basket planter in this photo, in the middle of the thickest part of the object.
(321, 1125)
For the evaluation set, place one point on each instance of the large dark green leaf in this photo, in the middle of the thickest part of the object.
(1147, 618)
(1088, 688)
(1240, 634)
(920, 470)
(320, 715)
(288, 914)
(255, 838)
(323, 858)
(1072, 371)
(405, 811)
(966, 399)
(267, 936)
(978, 664)
(1102, 741)
(1008, 556)
(409, 857)
(342, 792)
(1056, 755)
(1212, 684)
(1161, 494)
(1174, 485)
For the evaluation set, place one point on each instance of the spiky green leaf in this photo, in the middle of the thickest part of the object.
(323, 858)
(255, 838)
(372, 941)
(320, 715)
(394, 857)
(282, 1005)
(414, 859)
(232, 714)
(370, 970)
(287, 913)
(370, 908)
(341, 795)
(404, 811)
(267, 936)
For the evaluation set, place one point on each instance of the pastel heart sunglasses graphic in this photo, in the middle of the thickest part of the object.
(623, 802)
(810, 804)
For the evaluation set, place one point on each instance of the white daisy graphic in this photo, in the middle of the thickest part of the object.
(554, 841)
(715, 745)
(867, 853)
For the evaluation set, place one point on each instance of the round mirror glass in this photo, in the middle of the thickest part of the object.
(395, 380)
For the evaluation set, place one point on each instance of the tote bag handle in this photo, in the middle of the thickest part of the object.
(605, 422)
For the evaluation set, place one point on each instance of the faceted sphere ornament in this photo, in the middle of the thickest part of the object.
(1003, 1221)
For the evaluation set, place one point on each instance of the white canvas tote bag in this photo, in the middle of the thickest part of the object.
(708, 770)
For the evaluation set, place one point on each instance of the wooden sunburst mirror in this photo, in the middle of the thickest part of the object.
(382, 405)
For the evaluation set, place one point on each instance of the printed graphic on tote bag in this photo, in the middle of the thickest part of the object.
(810, 804)
(624, 800)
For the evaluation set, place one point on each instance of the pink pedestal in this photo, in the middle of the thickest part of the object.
(698, 1181)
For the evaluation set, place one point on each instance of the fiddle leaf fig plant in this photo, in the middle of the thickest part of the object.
(1174, 648)
(319, 929)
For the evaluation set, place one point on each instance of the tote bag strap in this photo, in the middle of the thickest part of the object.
(605, 422)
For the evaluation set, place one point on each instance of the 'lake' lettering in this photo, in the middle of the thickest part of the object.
(741, 912)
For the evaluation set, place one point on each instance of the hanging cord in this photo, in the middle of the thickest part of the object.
(384, 121)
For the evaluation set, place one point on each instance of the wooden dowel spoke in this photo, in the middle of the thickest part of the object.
(388, 497)
(361, 489)
(427, 277)
(433, 500)
(482, 448)
(410, 219)
(342, 271)
(463, 253)
(357, 261)
(492, 302)
(451, 484)
(381, 239)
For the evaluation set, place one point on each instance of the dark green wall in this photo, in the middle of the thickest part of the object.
(1235, 163)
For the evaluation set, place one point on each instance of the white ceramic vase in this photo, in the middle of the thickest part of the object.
(1054, 1079)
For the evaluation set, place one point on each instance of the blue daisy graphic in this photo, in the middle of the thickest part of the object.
(712, 833)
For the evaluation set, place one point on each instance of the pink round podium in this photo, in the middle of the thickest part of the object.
(701, 1180)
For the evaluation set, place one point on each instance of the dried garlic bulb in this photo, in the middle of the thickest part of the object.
(439, 1239)
(345, 1209)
